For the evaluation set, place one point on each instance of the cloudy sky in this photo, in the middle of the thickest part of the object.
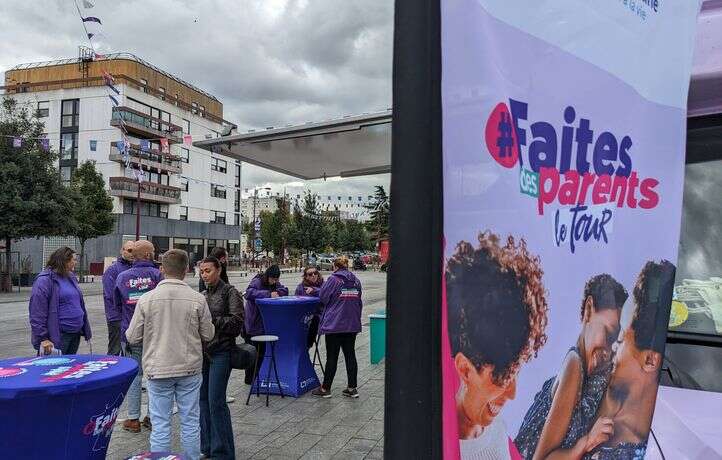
(271, 62)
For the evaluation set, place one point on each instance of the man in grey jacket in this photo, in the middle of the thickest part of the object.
(172, 321)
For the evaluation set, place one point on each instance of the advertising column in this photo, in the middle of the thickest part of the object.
(563, 150)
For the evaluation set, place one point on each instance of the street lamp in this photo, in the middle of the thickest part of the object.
(256, 228)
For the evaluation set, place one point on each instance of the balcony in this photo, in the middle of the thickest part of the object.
(156, 193)
(154, 159)
(145, 126)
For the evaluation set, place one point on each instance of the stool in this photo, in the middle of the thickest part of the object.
(272, 339)
(317, 355)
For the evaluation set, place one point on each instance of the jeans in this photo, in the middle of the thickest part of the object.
(334, 343)
(185, 391)
(216, 429)
(114, 338)
(136, 390)
(69, 342)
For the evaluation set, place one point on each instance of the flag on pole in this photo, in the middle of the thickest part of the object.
(114, 100)
(139, 174)
(144, 145)
(115, 90)
(164, 144)
(188, 139)
(120, 146)
(17, 142)
(92, 19)
(93, 146)
(87, 4)
(109, 80)
(45, 144)
(99, 56)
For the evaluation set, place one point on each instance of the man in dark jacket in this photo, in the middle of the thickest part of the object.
(112, 314)
(226, 308)
(222, 256)
(131, 284)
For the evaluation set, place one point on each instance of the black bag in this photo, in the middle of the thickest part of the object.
(243, 356)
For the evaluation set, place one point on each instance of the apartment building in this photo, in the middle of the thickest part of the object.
(189, 198)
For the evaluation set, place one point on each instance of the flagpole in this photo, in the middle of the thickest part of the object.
(137, 216)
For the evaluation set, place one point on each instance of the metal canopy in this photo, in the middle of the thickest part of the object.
(346, 147)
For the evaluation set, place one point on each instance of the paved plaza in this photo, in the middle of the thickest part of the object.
(307, 427)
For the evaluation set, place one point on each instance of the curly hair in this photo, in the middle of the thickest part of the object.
(496, 304)
(652, 298)
(606, 292)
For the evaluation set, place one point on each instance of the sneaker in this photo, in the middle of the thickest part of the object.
(321, 392)
(132, 425)
(350, 393)
(146, 423)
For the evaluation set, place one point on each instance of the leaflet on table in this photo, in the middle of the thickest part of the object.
(563, 155)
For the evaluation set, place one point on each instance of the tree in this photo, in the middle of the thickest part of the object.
(378, 225)
(310, 233)
(33, 200)
(93, 207)
(354, 237)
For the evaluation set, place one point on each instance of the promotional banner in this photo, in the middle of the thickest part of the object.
(564, 149)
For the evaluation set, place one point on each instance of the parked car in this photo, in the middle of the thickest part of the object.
(325, 263)
(358, 264)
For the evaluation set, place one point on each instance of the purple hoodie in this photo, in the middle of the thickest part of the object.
(341, 300)
(44, 301)
(129, 286)
(109, 278)
(255, 290)
(301, 291)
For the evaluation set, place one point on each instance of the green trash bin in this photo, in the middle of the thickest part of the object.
(378, 336)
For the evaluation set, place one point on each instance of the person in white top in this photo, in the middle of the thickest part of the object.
(497, 314)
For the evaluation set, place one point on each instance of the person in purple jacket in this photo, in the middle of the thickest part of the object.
(262, 286)
(340, 323)
(112, 315)
(57, 310)
(310, 286)
(129, 286)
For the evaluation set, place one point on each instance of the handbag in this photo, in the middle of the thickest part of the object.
(243, 356)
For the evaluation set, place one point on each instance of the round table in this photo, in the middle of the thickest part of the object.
(289, 317)
(61, 407)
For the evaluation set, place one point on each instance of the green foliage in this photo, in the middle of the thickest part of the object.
(380, 211)
(309, 230)
(33, 200)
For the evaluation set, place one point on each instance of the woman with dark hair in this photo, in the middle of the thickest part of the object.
(262, 286)
(222, 256)
(57, 310)
(311, 287)
(340, 323)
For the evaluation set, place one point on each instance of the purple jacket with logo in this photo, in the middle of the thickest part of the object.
(109, 278)
(341, 300)
(129, 286)
(44, 301)
(256, 290)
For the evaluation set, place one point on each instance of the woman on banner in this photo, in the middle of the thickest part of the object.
(497, 315)
(340, 324)
(262, 286)
(561, 416)
(311, 286)
(58, 317)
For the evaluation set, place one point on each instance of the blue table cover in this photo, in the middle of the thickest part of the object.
(289, 318)
(61, 407)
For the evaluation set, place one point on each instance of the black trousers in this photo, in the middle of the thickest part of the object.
(312, 331)
(251, 373)
(345, 341)
(114, 338)
(69, 342)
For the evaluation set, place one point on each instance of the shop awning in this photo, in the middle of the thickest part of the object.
(346, 147)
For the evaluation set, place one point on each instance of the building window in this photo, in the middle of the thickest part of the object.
(203, 111)
(161, 90)
(219, 165)
(66, 173)
(176, 98)
(218, 191)
(238, 175)
(69, 146)
(43, 109)
(184, 184)
(144, 85)
(236, 219)
(218, 217)
(70, 113)
(186, 126)
(146, 208)
(195, 108)
(237, 201)
(183, 213)
(185, 155)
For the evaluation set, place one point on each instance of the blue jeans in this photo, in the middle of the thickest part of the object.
(186, 391)
(136, 390)
(216, 429)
